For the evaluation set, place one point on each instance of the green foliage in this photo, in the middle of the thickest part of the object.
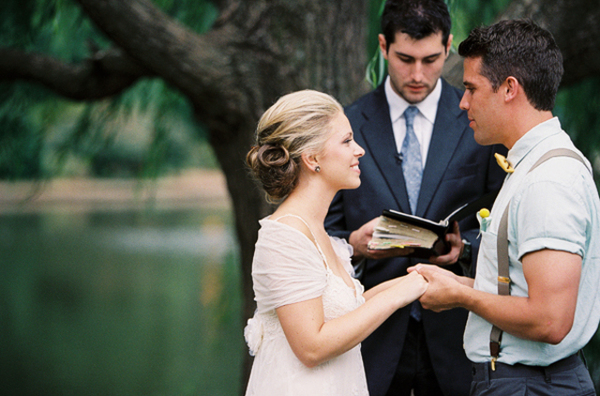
(20, 137)
(146, 131)
(377, 67)
(577, 108)
(196, 15)
(468, 14)
(20, 148)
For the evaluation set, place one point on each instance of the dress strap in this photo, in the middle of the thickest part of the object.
(309, 230)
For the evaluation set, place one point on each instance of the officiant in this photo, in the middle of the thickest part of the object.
(420, 158)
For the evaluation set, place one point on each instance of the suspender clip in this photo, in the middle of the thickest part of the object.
(495, 352)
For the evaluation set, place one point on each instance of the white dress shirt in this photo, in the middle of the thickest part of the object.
(424, 120)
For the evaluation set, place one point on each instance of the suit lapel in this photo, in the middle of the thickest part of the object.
(446, 135)
(378, 136)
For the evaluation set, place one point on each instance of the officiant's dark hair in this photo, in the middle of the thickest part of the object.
(297, 123)
(417, 18)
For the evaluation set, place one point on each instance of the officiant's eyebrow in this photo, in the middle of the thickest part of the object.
(409, 58)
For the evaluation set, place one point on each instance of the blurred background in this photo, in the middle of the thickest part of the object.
(119, 259)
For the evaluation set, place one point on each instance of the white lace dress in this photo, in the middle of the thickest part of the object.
(288, 268)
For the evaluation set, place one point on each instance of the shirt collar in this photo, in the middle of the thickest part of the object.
(531, 139)
(427, 107)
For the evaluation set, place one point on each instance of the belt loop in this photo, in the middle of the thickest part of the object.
(487, 374)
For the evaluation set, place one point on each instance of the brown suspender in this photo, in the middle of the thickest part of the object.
(502, 247)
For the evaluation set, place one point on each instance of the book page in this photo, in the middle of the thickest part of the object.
(390, 233)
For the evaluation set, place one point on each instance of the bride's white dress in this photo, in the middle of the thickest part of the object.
(289, 268)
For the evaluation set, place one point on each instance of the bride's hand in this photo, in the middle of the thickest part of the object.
(412, 286)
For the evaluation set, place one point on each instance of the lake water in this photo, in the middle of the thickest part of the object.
(131, 302)
(125, 302)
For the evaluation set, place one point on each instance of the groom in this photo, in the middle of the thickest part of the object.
(535, 294)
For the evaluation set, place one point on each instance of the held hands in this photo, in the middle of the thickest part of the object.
(360, 239)
(435, 287)
(414, 285)
(443, 287)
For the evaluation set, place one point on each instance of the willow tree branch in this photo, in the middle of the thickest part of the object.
(188, 61)
(105, 73)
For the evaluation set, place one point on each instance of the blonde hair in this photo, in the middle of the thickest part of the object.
(297, 123)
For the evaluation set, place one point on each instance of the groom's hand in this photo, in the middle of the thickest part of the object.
(443, 289)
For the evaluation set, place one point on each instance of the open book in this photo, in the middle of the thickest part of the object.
(401, 230)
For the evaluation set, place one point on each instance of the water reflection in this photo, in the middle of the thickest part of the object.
(130, 302)
(212, 240)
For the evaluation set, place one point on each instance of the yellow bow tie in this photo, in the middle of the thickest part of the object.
(504, 164)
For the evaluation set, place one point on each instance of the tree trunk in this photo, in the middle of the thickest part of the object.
(321, 48)
(256, 52)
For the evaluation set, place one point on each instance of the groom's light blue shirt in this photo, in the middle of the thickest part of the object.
(556, 206)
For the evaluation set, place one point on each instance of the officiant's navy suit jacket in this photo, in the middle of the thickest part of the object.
(457, 171)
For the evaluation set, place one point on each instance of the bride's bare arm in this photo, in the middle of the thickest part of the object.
(381, 287)
(315, 341)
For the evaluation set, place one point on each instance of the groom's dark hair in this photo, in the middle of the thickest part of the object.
(523, 50)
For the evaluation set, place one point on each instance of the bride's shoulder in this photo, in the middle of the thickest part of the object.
(287, 223)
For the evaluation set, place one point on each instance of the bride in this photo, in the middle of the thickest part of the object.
(311, 314)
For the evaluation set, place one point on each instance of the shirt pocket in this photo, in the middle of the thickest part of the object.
(487, 262)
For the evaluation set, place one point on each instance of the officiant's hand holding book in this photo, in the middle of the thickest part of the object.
(425, 237)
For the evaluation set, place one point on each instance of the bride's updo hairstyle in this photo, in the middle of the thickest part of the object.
(297, 123)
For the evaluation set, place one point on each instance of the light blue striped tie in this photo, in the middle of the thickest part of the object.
(412, 166)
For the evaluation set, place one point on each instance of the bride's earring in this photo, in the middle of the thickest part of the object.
(318, 169)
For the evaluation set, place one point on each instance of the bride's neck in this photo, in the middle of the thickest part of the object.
(309, 202)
